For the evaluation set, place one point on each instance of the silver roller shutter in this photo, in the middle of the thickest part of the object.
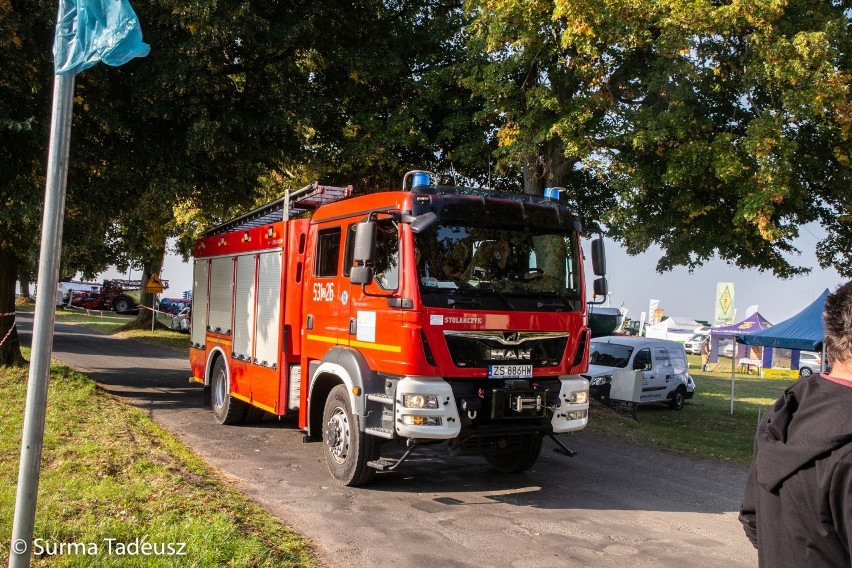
(199, 302)
(221, 280)
(244, 300)
(268, 308)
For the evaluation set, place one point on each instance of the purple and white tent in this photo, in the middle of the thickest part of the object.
(755, 323)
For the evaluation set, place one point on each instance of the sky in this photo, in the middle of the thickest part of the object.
(634, 282)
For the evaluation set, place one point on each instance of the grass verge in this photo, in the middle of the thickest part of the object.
(705, 427)
(109, 472)
(111, 323)
(122, 326)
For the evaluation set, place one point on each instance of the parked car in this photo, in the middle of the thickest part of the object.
(809, 363)
(181, 321)
(663, 363)
(726, 347)
(693, 344)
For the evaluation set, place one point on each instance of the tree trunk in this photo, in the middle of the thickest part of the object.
(151, 265)
(24, 279)
(532, 175)
(10, 348)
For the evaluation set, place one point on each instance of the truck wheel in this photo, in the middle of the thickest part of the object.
(122, 304)
(226, 409)
(516, 462)
(678, 399)
(347, 449)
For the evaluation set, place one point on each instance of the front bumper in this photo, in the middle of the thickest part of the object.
(555, 405)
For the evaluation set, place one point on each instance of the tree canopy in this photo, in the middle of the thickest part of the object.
(708, 128)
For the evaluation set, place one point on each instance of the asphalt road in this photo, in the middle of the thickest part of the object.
(614, 504)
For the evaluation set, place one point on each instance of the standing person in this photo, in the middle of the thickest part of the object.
(705, 353)
(797, 506)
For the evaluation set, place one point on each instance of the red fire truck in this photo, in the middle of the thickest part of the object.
(424, 315)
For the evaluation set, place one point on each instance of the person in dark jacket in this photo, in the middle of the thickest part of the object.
(797, 505)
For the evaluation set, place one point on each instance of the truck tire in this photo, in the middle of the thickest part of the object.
(516, 462)
(347, 449)
(122, 304)
(226, 409)
(678, 399)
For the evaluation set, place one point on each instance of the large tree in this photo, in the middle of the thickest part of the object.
(718, 127)
(24, 121)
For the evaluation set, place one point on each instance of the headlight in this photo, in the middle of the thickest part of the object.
(420, 401)
(598, 381)
(580, 397)
(421, 420)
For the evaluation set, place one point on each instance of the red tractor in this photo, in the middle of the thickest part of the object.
(112, 296)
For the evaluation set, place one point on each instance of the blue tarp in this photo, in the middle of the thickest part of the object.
(88, 31)
(803, 331)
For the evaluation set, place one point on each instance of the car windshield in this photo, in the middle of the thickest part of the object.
(609, 354)
(499, 253)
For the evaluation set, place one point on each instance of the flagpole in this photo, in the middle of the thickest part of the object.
(44, 320)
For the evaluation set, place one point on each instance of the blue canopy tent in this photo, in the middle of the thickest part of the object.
(803, 331)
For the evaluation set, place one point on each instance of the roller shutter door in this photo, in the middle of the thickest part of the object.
(268, 309)
(199, 302)
(244, 300)
(221, 294)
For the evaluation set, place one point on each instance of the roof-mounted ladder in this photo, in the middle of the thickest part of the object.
(295, 202)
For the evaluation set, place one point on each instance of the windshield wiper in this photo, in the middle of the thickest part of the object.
(505, 300)
(470, 290)
(463, 302)
(561, 297)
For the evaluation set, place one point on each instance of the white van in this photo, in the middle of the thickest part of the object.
(664, 369)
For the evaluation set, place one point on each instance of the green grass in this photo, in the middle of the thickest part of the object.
(109, 323)
(705, 427)
(167, 338)
(103, 322)
(109, 472)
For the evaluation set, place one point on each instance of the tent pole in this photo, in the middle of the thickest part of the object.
(733, 371)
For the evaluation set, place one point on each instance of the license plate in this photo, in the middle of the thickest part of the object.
(510, 371)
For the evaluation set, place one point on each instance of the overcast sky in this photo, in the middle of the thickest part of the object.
(633, 282)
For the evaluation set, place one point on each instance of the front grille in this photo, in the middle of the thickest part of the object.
(478, 349)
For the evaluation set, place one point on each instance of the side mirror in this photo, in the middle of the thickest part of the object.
(364, 248)
(423, 222)
(601, 287)
(361, 275)
(598, 259)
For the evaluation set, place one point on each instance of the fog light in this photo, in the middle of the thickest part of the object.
(580, 397)
(576, 415)
(421, 420)
(420, 401)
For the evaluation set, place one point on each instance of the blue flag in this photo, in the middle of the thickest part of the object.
(88, 31)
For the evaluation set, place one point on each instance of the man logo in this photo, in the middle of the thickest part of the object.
(509, 354)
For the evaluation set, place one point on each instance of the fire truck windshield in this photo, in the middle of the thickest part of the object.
(500, 256)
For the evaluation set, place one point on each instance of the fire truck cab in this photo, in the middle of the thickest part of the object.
(428, 314)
